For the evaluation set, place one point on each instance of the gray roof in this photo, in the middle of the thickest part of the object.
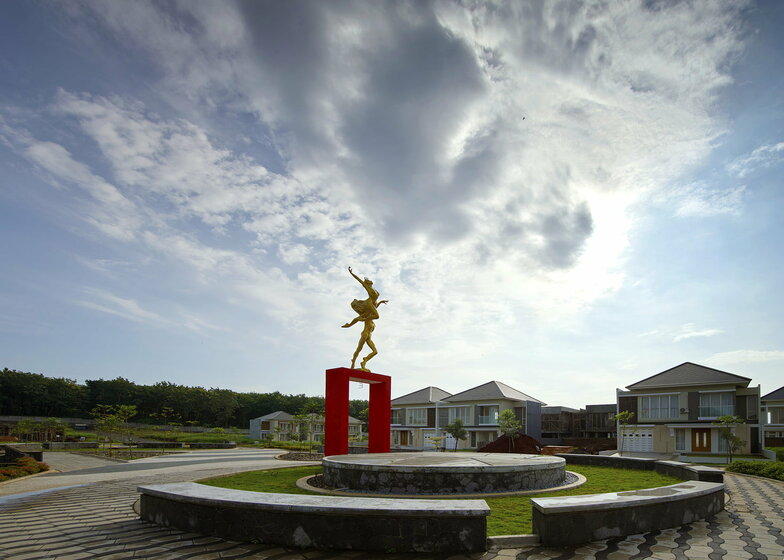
(277, 415)
(776, 395)
(426, 395)
(492, 390)
(280, 415)
(690, 374)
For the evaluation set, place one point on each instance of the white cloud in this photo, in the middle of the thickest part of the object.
(745, 357)
(397, 144)
(763, 157)
(100, 300)
(689, 331)
(699, 200)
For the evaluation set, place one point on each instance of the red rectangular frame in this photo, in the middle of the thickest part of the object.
(336, 410)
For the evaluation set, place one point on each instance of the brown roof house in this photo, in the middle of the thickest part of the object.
(419, 416)
(675, 410)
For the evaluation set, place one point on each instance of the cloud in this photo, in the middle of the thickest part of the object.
(105, 302)
(416, 113)
(763, 157)
(746, 357)
(699, 200)
(689, 331)
(291, 139)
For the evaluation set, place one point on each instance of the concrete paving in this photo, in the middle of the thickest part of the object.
(87, 513)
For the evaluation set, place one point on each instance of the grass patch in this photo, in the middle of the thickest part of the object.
(511, 515)
(276, 480)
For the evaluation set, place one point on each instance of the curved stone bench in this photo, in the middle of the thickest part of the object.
(574, 520)
(678, 469)
(326, 522)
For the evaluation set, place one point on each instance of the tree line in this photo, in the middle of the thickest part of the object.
(33, 394)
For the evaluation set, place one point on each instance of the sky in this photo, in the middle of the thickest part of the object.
(563, 196)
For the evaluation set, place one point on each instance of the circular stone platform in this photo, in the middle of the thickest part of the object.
(443, 473)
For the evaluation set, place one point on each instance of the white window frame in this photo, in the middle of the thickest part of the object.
(722, 409)
(413, 417)
(662, 412)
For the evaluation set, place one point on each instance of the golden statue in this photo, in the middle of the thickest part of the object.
(367, 312)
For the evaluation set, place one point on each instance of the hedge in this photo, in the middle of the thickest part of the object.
(23, 467)
(772, 469)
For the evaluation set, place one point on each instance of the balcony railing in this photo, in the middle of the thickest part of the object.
(488, 419)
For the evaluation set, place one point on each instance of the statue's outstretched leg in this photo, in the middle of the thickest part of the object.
(367, 358)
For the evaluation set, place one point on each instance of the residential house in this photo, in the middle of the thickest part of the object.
(424, 414)
(282, 426)
(773, 418)
(675, 410)
(599, 421)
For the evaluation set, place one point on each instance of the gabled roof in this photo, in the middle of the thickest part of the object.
(277, 415)
(492, 390)
(776, 395)
(689, 373)
(426, 395)
(280, 415)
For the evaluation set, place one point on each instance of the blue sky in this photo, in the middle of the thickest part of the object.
(567, 197)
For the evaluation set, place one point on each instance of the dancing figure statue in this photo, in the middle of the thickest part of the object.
(367, 313)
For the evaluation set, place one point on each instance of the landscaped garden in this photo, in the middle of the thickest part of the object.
(511, 515)
(23, 466)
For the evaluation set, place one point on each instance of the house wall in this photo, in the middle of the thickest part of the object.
(772, 421)
(480, 432)
(688, 415)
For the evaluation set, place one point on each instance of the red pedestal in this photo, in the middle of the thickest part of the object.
(336, 413)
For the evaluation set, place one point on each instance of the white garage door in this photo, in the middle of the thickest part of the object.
(640, 439)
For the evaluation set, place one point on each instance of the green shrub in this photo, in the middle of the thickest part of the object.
(23, 467)
(771, 469)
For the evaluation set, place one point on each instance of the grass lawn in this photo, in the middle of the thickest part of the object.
(510, 515)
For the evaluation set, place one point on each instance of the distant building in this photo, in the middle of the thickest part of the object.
(282, 426)
(773, 418)
(599, 421)
(560, 422)
(424, 414)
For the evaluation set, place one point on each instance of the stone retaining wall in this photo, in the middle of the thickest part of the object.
(371, 524)
(685, 471)
(573, 520)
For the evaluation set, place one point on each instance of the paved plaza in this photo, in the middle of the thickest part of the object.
(86, 511)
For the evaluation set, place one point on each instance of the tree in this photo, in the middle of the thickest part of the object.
(113, 418)
(457, 431)
(509, 426)
(624, 419)
(726, 425)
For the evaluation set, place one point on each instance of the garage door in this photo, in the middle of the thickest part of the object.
(640, 439)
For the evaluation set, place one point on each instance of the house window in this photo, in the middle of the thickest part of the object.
(776, 414)
(713, 405)
(488, 414)
(659, 406)
(416, 416)
(397, 416)
(680, 439)
(461, 412)
(443, 416)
